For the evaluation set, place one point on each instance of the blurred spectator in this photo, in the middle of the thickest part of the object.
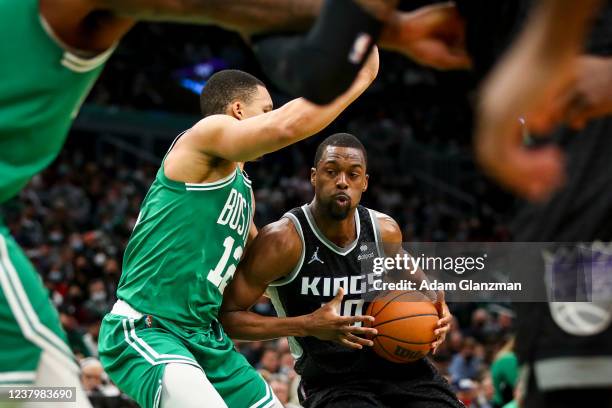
(485, 393)
(505, 322)
(482, 327)
(99, 303)
(90, 338)
(101, 392)
(466, 364)
(251, 350)
(91, 375)
(269, 360)
(466, 391)
(455, 341)
(281, 389)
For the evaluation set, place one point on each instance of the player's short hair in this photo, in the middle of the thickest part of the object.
(340, 140)
(225, 87)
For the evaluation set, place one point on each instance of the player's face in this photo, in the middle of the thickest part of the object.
(260, 103)
(339, 180)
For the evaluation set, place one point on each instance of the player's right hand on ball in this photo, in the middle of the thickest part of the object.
(327, 324)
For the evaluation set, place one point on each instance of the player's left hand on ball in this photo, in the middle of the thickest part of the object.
(443, 325)
(432, 35)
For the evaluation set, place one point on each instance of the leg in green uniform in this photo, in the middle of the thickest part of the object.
(29, 324)
(135, 351)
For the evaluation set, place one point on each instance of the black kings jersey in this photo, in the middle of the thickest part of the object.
(322, 269)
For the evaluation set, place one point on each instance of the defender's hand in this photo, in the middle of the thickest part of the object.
(369, 71)
(591, 96)
(432, 35)
(443, 325)
(327, 324)
(524, 84)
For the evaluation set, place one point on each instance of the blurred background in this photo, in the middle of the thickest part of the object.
(74, 219)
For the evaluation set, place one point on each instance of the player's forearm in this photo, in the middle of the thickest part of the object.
(249, 16)
(304, 119)
(245, 325)
(293, 122)
(558, 27)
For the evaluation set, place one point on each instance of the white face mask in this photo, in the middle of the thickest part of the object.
(56, 236)
(99, 259)
(98, 296)
(55, 276)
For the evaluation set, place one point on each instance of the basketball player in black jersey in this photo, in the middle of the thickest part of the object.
(311, 254)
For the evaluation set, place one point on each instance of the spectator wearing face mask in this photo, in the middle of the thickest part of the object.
(465, 364)
(98, 303)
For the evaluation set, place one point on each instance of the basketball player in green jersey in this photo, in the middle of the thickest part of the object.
(52, 51)
(161, 343)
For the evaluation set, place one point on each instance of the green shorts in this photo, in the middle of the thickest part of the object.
(29, 324)
(134, 352)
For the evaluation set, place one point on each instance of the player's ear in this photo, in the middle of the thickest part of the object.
(365, 184)
(237, 110)
(313, 174)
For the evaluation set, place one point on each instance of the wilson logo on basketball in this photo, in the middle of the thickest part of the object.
(407, 354)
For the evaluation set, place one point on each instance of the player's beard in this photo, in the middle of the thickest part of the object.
(337, 212)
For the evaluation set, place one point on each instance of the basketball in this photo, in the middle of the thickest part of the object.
(405, 322)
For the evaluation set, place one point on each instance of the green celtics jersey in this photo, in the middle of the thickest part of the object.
(185, 247)
(41, 88)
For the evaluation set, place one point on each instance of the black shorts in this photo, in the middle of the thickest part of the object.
(426, 390)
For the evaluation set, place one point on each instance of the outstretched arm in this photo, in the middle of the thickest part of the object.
(96, 25)
(239, 15)
(243, 140)
(274, 254)
(322, 63)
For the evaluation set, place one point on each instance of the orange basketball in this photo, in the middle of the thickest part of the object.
(405, 322)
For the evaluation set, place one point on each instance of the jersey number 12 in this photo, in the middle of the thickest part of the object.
(222, 273)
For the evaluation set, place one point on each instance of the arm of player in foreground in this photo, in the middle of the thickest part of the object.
(528, 82)
(391, 236)
(243, 140)
(273, 255)
(432, 35)
(322, 63)
(239, 15)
